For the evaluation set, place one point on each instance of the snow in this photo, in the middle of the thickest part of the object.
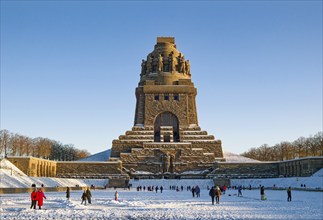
(101, 156)
(167, 205)
(12, 177)
(312, 182)
(235, 158)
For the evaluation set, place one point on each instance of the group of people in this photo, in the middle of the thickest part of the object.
(215, 192)
(86, 196)
(37, 196)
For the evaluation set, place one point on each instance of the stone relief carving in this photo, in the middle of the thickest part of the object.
(149, 64)
(160, 65)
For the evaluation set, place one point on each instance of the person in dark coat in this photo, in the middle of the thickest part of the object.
(289, 194)
(68, 193)
(161, 189)
(217, 194)
(84, 198)
(193, 191)
(88, 195)
(262, 193)
(212, 194)
(33, 199)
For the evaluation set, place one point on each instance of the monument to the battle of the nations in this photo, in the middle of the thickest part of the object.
(166, 137)
(165, 140)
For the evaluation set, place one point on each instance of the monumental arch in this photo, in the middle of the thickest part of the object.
(166, 137)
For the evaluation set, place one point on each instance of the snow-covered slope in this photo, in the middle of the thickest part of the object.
(12, 177)
(235, 158)
(101, 156)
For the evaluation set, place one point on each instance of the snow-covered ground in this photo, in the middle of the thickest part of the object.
(167, 205)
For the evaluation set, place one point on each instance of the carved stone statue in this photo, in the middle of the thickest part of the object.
(149, 64)
(181, 64)
(172, 64)
(160, 65)
(188, 67)
(166, 163)
(143, 67)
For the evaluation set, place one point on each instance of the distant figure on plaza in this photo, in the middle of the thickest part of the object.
(40, 197)
(161, 189)
(217, 195)
(33, 198)
(239, 191)
(84, 198)
(198, 191)
(289, 194)
(68, 193)
(88, 195)
(262, 193)
(212, 194)
(116, 196)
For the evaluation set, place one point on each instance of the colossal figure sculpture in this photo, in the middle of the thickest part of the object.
(166, 119)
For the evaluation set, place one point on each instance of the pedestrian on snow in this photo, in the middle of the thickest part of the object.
(161, 189)
(193, 191)
(262, 193)
(212, 194)
(198, 191)
(156, 189)
(289, 194)
(68, 193)
(40, 197)
(116, 196)
(217, 195)
(224, 189)
(88, 195)
(84, 198)
(239, 191)
(33, 199)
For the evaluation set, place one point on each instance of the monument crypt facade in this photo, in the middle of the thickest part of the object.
(166, 137)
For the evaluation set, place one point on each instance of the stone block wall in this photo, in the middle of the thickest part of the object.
(35, 167)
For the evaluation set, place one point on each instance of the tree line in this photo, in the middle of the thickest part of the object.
(12, 144)
(302, 147)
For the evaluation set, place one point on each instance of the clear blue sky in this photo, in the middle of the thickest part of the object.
(69, 68)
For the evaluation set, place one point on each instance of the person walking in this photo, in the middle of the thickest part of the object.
(68, 193)
(88, 195)
(161, 189)
(289, 194)
(84, 198)
(40, 198)
(212, 194)
(33, 199)
(239, 191)
(262, 193)
(116, 196)
(193, 191)
(198, 191)
(217, 195)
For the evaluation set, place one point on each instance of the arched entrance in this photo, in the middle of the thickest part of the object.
(166, 119)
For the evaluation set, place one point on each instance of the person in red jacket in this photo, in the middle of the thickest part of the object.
(33, 199)
(40, 196)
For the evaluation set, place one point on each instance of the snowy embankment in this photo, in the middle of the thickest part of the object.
(313, 182)
(12, 177)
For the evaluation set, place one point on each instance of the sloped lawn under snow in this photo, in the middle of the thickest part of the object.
(167, 205)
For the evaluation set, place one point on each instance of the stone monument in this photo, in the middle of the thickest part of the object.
(166, 137)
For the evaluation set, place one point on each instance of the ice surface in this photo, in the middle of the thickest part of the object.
(167, 205)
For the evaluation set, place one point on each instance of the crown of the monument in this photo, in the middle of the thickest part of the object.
(165, 64)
